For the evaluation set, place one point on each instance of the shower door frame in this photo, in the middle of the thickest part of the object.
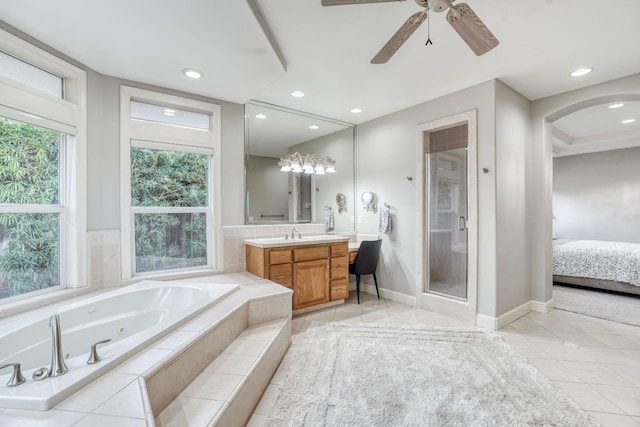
(463, 310)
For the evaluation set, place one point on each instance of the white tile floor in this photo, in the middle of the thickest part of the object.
(596, 362)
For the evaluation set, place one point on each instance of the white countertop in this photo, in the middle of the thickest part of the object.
(272, 242)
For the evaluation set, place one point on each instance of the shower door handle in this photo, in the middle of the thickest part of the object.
(462, 223)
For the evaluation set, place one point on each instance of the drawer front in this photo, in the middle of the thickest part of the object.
(339, 250)
(310, 253)
(280, 256)
(339, 268)
(281, 273)
(339, 289)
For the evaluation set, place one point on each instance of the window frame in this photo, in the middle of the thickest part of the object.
(67, 115)
(169, 137)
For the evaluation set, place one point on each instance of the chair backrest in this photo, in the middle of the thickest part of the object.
(367, 259)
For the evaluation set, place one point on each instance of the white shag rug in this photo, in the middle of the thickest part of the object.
(368, 375)
(619, 308)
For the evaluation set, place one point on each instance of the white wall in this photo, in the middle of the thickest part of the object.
(513, 142)
(597, 196)
(386, 156)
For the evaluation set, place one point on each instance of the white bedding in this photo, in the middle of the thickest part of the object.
(594, 259)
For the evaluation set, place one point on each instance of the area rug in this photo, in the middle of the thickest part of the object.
(395, 375)
(618, 308)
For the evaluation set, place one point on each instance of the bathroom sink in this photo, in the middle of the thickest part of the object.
(270, 242)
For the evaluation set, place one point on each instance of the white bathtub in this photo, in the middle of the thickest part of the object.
(132, 317)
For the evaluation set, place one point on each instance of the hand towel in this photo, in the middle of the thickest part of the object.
(384, 219)
(329, 222)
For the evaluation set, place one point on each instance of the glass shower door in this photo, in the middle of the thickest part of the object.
(447, 222)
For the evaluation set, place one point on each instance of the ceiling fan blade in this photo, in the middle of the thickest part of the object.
(341, 2)
(472, 30)
(399, 37)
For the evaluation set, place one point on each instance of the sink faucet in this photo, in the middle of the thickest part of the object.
(58, 366)
(293, 234)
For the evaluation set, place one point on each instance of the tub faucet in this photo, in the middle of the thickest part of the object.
(58, 366)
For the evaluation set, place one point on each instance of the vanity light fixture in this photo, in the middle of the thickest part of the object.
(628, 121)
(308, 163)
(581, 72)
(260, 116)
(616, 105)
(297, 94)
(356, 110)
(192, 73)
(314, 127)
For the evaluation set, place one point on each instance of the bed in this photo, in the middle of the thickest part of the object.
(611, 266)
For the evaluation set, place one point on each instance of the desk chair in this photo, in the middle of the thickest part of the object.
(366, 262)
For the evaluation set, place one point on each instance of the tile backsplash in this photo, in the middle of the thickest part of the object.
(234, 236)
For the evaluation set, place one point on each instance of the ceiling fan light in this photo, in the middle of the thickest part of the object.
(296, 169)
(331, 169)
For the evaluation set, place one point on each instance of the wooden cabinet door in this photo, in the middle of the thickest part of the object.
(310, 283)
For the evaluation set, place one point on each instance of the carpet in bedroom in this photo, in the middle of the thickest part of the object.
(398, 375)
(618, 308)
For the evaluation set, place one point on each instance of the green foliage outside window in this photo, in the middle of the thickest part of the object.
(29, 174)
(169, 179)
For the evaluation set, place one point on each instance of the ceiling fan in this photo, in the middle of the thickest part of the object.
(461, 17)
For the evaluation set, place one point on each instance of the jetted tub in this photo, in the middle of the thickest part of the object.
(132, 317)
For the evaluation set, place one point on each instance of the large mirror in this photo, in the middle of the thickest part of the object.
(279, 139)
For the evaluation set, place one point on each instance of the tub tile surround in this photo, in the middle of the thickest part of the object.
(103, 249)
(141, 388)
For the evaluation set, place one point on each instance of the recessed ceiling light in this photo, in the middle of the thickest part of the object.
(192, 73)
(356, 110)
(616, 105)
(314, 127)
(260, 116)
(581, 72)
(628, 121)
(297, 94)
(169, 112)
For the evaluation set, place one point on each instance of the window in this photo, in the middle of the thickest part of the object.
(168, 217)
(42, 134)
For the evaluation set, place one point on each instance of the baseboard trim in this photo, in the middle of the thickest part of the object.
(386, 293)
(543, 307)
(495, 323)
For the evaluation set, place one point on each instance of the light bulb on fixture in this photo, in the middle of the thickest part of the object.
(308, 163)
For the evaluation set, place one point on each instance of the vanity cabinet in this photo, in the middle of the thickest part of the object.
(317, 273)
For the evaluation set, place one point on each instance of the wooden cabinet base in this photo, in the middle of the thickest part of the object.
(317, 273)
